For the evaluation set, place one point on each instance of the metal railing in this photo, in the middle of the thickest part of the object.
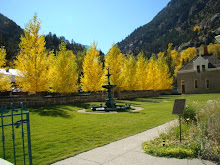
(15, 119)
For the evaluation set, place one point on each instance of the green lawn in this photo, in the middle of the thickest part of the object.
(58, 132)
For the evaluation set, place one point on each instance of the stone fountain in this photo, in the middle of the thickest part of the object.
(109, 102)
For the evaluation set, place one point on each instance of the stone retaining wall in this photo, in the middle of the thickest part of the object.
(31, 101)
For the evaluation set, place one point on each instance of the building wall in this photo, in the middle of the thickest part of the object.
(213, 75)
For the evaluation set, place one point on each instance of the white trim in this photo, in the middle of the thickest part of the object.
(191, 71)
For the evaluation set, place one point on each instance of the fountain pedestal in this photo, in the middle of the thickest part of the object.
(109, 102)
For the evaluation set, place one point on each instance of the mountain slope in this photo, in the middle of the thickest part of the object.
(10, 34)
(175, 23)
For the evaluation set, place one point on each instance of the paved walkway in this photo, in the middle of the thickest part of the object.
(129, 151)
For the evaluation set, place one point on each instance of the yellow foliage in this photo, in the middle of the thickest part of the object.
(175, 56)
(63, 71)
(93, 76)
(185, 56)
(128, 73)
(141, 72)
(196, 28)
(214, 49)
(176, 59)
(164, 80)
(188, 54)
(152, 73)
(32, 59)
(158, 77)
(5, 83)
(114, 60)
(2, 57)
(161, 54)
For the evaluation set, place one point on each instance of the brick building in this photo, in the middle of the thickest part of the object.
(200, 75)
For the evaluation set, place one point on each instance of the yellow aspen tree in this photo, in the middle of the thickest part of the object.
(196, 28)
(114, 60)
(188, 54)
(176, 60)
(164, 79)
(141, 72)
(92, 78)
(128, 73)
(63, 71)
(5, 83)
(32, 59)
(160, 54)
(152, 73)
(214, 49)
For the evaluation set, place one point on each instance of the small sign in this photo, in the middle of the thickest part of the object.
(178, 107)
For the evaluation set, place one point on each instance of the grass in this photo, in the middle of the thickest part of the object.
(58, 132)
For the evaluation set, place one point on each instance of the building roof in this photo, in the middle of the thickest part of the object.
(213, 62)
(13, 72)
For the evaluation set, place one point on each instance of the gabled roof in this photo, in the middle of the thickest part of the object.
(213, 62)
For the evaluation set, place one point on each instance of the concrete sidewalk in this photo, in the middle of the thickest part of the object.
(129, 151)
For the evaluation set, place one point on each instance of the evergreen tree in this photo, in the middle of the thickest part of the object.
(32, 59)
(92, 78)
(79, 60)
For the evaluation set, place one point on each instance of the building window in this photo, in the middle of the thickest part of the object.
(203, 68)
(207, 83)
(196, 83)
(198, 69)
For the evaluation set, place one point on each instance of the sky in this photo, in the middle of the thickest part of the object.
(105, 22)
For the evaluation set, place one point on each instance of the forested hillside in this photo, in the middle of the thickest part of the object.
(185, 23)
(10, 34)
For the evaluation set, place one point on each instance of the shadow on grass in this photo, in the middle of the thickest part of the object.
(149, 100)
(59, 110)
(55, 111)
(83, 105)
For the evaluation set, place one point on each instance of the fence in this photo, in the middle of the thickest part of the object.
(16, 120)
(31, 101)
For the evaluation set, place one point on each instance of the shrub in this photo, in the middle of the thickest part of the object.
(189, 114)
(169, 151)
(201, 137)
(207, 132)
